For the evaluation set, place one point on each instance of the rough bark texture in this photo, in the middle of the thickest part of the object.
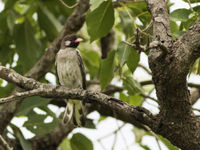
(176, 120)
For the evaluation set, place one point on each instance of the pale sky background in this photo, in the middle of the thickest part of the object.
(125, 138)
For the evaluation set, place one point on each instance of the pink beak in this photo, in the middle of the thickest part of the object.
(78, 40)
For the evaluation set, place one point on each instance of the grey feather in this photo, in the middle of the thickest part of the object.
(71, 73)
(81, 65)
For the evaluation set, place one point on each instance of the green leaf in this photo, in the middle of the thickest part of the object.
(80, 142)
(198, 70)
(107, 70)
(6, 53)
(9, 3)
(140, 6)
(102, 118)
(126, 23)
(48, 22)
(23, 9)
(185, 25)
(131, 85)
(95, 3)
(123, 52)
(135, 100)
(173, 26)
(139, 133)
(89, 124)
(100, 20)
(1, 81)
(191, 1)
(26, 145)
(11, 21)
(65, 145)
(133, 60)
(37, 125)
(139, 10)
(58, 9)
(145, 147)
(92, 62)
(29, 103)
(180, 14)
(28, 47)
(197, 9)
(178, 33)
(167, 143)
(5, 91)
(3, 27)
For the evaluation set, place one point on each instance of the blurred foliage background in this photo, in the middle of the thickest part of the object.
(27, 28)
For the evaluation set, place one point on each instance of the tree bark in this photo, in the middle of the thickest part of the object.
(176, 121)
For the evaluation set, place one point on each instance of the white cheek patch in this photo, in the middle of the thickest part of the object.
(67, 43)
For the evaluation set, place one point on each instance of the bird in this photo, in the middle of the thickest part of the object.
(71, 74)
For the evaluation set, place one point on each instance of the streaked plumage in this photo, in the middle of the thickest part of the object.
(71, 73)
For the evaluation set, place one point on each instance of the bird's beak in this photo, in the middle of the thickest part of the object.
(78, 40)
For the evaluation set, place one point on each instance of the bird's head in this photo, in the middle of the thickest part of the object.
(71, 41)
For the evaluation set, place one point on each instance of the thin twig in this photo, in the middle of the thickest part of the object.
(158, 143)
(111, 133)
(114, 141)
(147, 96)
(68, 5)
(145, 68)
(20, 95)
(5, 144)
(123, 138)
(190, 5)
(141, 48)
(101, 144)
(152, 45)
(194, 85)
(151, 104)
(195, 109)
(157, 138)
(148, 26)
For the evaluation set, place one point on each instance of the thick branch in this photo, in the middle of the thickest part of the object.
(119, 108)
(188, 45)
(161, 26)
(97, 101)
(169, 71)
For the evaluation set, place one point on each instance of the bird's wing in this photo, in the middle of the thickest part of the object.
(57, 71)
(82, 68)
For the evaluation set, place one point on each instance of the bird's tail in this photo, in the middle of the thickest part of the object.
(74, 110)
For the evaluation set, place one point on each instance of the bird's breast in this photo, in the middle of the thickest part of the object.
(68, 69)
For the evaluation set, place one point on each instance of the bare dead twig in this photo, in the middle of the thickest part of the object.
(157, 138)
(145, 68)
(190, 5)
(73, 6)
(113, 132)
(5, 144)
(147, 96)
(51, 91)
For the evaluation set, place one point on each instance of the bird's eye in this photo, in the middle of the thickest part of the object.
(67, 43)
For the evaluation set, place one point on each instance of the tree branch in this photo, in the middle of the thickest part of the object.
(161, 26)
(120, 109)
(188, 45)
(5, 144)
(169, 72)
